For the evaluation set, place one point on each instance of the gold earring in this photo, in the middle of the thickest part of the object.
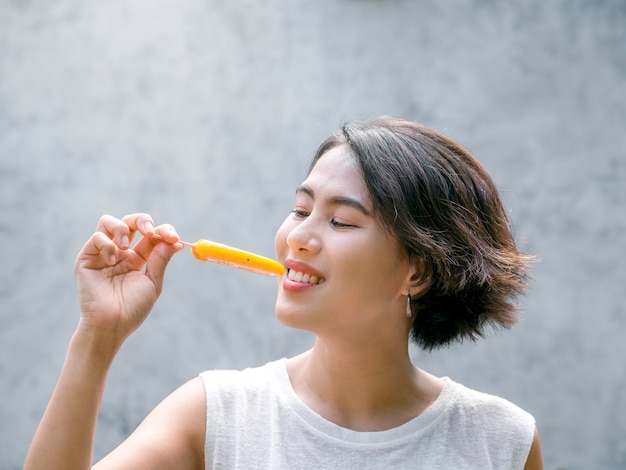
(409, 312)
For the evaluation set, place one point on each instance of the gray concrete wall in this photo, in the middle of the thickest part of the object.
(205, 113)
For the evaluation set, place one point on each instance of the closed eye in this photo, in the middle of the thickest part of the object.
(337, 224)
(303, 214)
(300, 214)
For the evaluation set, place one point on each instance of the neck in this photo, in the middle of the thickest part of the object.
(363, 388)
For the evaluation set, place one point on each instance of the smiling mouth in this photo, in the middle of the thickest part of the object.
(299, 276)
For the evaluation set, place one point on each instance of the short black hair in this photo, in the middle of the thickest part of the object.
(438, 200)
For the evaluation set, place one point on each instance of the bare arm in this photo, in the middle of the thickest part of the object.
(171, 437)
(117, 288)
(64, 438)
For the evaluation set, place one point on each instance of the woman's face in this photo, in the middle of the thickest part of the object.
(346, 273)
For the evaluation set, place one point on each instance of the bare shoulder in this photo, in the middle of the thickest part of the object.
(171, 436)
(535, 459)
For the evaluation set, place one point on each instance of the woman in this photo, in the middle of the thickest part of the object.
(397, 233)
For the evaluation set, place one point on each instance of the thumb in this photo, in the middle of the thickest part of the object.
(158, 261)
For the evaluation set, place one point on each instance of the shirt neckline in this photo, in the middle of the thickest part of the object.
(321, 425)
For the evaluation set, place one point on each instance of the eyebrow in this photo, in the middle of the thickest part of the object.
(335, 200)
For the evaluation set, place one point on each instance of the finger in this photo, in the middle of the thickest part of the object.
(117, 230)
(140, 222)
(98, 251)
(167, 234)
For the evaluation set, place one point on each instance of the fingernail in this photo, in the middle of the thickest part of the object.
(125, 241)
(148, 227)
(112, 260)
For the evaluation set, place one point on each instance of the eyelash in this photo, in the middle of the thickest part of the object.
(300, 214)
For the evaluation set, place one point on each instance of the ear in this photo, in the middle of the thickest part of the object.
(419, 277)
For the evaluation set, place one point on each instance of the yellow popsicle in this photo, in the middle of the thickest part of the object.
(206, 250)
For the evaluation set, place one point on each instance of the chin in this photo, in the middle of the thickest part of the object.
(292, 315)
(287, 315)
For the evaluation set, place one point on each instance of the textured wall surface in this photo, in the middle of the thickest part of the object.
(205, 113)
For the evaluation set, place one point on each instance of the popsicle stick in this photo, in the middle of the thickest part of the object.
(159, 237)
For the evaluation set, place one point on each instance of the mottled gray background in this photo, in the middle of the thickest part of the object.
(205, 113)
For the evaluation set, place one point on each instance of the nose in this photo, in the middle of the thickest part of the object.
(304, 236)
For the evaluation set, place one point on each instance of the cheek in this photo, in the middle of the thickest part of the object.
(377, 269)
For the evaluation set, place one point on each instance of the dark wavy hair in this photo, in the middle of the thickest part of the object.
(442, 205)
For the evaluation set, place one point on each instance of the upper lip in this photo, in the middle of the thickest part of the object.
(300, 266)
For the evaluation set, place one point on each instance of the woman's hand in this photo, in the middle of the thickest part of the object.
(117, 287)
(117, 284)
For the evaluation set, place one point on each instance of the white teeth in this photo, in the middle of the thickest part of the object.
(299, 276)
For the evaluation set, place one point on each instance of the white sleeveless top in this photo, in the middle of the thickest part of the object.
(255, 420)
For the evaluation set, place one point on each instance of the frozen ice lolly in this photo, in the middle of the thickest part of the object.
(206, 250)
